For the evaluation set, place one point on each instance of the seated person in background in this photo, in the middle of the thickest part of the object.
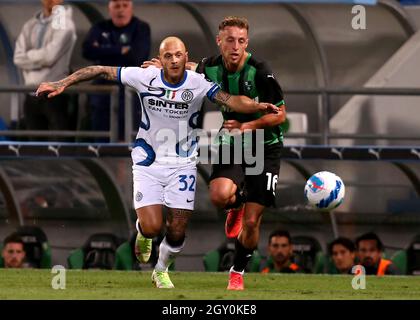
(13, 252)
(369, 252)
(124, 41)
(280, 252)
(43, 50)
(342, 252)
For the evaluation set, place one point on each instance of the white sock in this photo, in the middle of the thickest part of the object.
(233, 270)
(138, 226)
(167, 255)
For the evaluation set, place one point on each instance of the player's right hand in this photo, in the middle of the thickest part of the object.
(51, 89)
(154, 62)
(268, 107)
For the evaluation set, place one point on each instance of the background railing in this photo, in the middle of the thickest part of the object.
(324, 95)
(85, 89)
(323, 136)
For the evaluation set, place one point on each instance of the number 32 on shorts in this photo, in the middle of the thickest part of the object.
(186, 182)
(271, 182)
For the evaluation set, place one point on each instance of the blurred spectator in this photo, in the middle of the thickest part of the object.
(13, 252)
(280, 252)
(342, 252)
(43, 51)
(123, 40)
(369, 251)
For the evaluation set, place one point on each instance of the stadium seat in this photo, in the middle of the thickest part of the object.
(221, 259)
(413, 257)
(328, 267)
(408, 260)
(97, 253)
(321, 263)
(307, 253)
(38, 251)
(125, 258)
(296, 122)
(211, 260)
(399, 258)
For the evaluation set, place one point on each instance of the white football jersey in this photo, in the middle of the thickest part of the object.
(168, 116)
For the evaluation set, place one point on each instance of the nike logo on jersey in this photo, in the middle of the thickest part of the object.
(188, 200)
(270, 76)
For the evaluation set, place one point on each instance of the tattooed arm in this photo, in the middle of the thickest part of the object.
(55, 88)
(243, 104)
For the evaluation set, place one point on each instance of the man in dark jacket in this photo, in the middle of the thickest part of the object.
(123, 40)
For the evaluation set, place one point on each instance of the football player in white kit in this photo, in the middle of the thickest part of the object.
(164, 173)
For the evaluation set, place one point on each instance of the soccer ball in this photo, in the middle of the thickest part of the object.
(324, 191)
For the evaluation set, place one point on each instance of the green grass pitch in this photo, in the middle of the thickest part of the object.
(124, 285)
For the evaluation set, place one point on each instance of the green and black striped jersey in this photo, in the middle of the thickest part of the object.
(255, 80)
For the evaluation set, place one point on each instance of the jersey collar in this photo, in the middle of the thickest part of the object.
(170, 85)
(238, 71)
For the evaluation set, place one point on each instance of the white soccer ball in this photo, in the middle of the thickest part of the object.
(324, 191)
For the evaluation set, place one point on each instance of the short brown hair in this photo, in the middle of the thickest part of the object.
(279, 233)
(233, 21)
(370, 236)
(345, 242)
(13, 238)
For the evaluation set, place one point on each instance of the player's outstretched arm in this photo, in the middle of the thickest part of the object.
(243, 104)
(53, 89)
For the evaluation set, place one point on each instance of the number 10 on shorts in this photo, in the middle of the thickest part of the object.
(186, 182)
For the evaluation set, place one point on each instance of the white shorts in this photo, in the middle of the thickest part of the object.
(172, 187)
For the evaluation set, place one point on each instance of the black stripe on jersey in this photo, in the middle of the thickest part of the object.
(241, 82)
(225, 80)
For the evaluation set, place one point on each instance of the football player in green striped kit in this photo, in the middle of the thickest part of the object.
(244, 196)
